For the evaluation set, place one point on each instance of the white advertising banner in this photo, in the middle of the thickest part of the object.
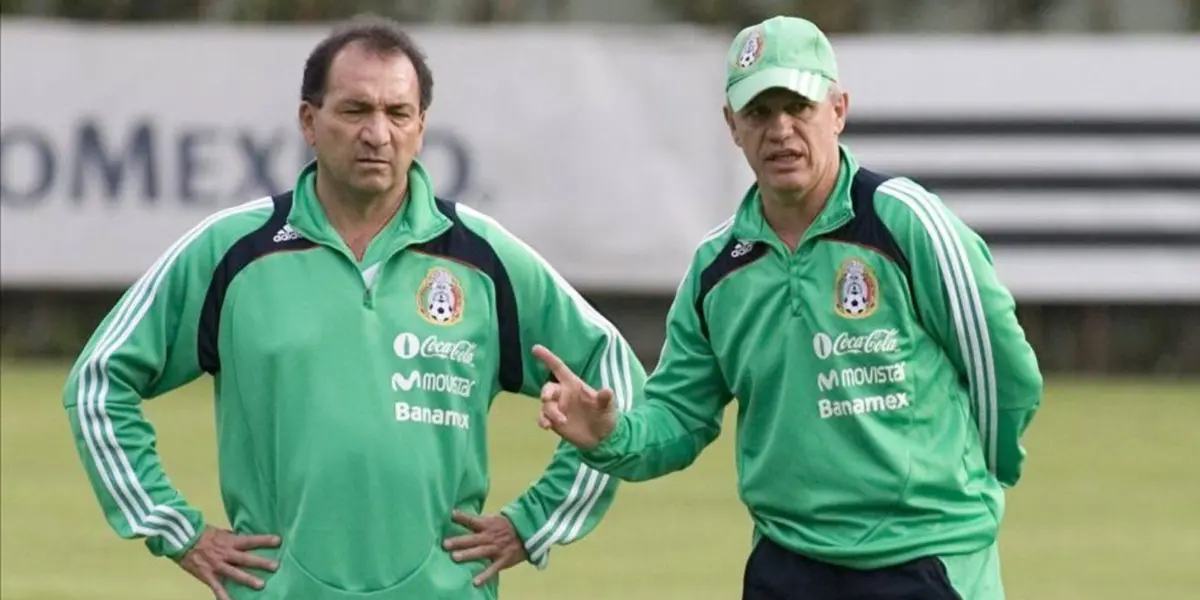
(1078, 159)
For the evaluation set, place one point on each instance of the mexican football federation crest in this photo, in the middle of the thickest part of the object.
(857, 290)
(440, 297)
(752, 49)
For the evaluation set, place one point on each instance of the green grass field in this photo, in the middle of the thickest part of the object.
(1108, 509)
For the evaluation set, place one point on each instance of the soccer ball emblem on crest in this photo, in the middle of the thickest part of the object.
(857, 290)
(440, 298)
(751, 49)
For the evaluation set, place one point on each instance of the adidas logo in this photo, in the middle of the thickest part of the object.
(741, 249)
(286, 234)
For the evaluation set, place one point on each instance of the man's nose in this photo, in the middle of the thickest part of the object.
(779, 127)
(375, 131)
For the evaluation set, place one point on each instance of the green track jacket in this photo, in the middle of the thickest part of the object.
(351, 397)
(882, 378)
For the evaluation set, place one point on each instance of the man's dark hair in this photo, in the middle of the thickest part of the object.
(375, 34)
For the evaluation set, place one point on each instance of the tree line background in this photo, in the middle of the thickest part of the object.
(836, 16)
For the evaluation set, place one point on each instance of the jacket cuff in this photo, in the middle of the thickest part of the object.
(526, 520)
(609, 448)
(159, 546)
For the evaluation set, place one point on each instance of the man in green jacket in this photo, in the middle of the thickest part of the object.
(882, 379)
(357, 330)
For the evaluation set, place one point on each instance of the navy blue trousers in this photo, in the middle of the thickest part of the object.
(775, 573)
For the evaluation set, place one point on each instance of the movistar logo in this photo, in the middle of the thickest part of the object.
(433, 382)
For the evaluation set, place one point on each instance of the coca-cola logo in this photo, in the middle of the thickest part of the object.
(408, 345)
(880, 341)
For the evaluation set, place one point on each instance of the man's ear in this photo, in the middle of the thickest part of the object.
(421, 121)
(841, 109)
(307, 115)
(729, 122)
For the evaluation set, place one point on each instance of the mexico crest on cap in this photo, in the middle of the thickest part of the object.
(751, 49)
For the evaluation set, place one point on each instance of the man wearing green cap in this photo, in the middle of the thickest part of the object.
(883, 381)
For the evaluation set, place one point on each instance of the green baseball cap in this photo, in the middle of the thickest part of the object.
(781, 52)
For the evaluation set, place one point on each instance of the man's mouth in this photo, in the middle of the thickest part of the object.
(783, 156)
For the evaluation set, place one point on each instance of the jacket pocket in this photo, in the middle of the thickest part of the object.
(435, 578)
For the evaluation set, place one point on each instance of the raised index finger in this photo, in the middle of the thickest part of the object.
(556, 366)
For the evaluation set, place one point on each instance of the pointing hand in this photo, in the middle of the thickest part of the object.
(571, 408)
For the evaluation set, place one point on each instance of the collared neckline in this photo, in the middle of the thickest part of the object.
(751, 225)
(418, 220)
